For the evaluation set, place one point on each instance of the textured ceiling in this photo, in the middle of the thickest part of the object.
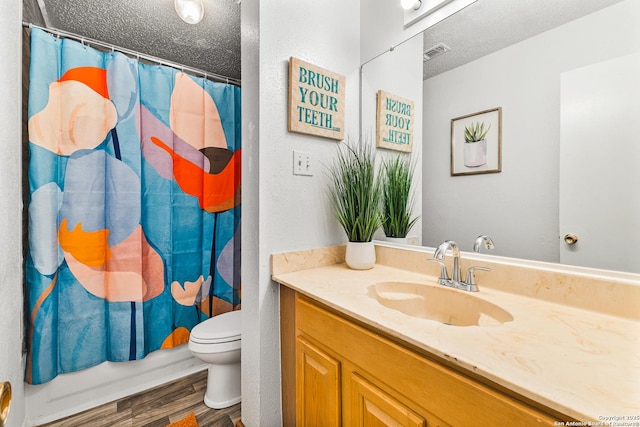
(487, 26)
(151, 27)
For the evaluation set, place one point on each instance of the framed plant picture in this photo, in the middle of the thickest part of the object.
(476, 143)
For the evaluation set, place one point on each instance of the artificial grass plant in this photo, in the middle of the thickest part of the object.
(355, 190)
(397, 199)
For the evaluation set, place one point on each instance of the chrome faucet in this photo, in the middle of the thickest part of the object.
(482, 239)
(455, 281)
(441, 251)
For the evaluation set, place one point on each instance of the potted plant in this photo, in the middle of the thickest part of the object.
(475, 144)
(397, 198)
(355, 196)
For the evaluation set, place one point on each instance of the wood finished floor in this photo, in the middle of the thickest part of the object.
(157, 407)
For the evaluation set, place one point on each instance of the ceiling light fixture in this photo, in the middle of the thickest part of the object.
(411, 4)
(190, 11)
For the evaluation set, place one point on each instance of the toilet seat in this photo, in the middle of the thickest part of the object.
(218, 329)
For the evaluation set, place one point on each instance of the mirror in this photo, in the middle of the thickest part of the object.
(520, 207)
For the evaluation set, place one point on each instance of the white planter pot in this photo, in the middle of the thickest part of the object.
(475, 153)
(400, 240)
(360, 255)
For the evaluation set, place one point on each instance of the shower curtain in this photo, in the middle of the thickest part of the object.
(133, 209)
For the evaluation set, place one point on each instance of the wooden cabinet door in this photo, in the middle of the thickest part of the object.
(372, 407)
(317, 387)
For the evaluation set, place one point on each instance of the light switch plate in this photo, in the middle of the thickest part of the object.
(302, 163)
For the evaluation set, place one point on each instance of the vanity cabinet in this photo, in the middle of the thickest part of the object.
(337, 371)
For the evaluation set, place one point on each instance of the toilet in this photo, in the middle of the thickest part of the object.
(216, 341)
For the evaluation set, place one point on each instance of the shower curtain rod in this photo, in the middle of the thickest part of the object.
(137, 55)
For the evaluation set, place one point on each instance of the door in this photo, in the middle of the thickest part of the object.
(372, 407)
(600, 165)
(317, 387)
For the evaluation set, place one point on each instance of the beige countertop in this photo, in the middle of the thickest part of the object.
(580, 362)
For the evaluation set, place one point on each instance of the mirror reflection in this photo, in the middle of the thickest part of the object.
(563, 75)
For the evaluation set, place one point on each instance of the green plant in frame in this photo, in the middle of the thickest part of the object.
(475, 132)
(355, 191)
(397, 198)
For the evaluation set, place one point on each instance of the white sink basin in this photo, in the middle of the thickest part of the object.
(439, 303)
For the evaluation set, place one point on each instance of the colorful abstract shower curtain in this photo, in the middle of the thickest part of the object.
(134, 206)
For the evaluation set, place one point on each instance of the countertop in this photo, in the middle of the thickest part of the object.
(583, 363)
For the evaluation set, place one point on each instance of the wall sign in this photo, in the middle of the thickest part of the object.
(316, 100)
(394, 128)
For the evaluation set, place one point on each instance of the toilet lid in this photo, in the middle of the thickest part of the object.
(221, 328)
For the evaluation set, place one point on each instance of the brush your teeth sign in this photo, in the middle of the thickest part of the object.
(316, 100)
(394, 128)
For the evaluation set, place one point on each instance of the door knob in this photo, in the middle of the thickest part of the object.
(5, 402)
(570, 239)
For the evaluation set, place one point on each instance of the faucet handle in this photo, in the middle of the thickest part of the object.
(444, 275)
(470, 279)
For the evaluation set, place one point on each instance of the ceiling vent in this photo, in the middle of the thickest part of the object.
(436, 50)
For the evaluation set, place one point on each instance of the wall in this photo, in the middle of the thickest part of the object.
(524, 80)
(283, 212)
(11, 362)
(377, 33)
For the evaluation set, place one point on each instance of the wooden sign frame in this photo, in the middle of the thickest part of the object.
(394, 122)
(316, 100)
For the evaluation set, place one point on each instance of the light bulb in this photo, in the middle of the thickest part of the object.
(410, 4)
(191, 11)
